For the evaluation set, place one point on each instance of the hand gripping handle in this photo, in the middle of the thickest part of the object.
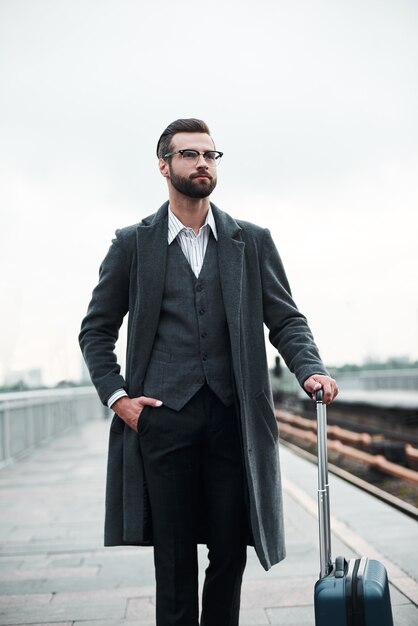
(323, 488)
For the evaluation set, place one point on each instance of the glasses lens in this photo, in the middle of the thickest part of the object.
(211, 157)
(190, 155)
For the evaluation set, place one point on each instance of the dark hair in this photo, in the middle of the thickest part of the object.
(190, 125)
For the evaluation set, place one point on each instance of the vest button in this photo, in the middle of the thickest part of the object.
(201, 380)
(199, 288)
(201, 311)
(204, 357)
(204, 334)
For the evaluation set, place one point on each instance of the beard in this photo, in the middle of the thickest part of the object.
(191, 187)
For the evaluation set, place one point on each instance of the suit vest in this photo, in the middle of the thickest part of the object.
(192, 344)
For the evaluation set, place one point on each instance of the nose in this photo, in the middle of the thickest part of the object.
(201, 162)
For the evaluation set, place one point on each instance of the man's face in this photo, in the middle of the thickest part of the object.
(195, 180)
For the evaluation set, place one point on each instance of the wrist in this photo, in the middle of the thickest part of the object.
(120, 403)
(119, 393)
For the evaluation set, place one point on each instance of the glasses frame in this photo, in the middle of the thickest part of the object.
(217, 152)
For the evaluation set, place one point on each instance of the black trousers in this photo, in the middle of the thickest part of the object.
(193, 468)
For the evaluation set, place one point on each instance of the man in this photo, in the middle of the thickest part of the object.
(193, 444)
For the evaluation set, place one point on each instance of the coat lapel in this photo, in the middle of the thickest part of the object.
(230, 256)
(152, 258)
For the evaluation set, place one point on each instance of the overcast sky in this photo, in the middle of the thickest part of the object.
(314, 104)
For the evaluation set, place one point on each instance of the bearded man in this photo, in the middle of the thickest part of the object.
(193, 448)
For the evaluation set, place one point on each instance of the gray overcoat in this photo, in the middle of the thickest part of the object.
(255, 291)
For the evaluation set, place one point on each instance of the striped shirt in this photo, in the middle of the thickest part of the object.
(193, 246)
(194, 249)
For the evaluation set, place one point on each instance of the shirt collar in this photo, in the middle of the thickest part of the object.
(175, 226)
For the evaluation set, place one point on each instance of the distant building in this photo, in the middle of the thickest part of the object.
(31, 378)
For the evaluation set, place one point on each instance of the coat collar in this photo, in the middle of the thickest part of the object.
(227, 226)
(155, 218)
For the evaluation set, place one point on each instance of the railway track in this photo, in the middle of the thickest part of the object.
(360, 458)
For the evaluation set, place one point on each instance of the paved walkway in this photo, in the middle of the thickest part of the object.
(54, 570)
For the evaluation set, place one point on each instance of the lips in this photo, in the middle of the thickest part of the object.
(202, 176)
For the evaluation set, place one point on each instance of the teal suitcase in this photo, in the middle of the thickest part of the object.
(348, 593)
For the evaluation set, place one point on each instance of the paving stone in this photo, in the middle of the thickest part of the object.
(67, 562)
(46, 624)
(275, 593)
(48, 573)
(405, 615)
(397, 597)
(253, 617)
(292, 616)
(24, 600)
(135, 554)
(40, 548)
(43, 623)
(110, 608)
(8, 563)
(121, 572)
(49, 534)
(105, 622)
(104, 595)
(23, 609)
(141, 609)
(88, 611)
(31, 561)
(14, 533)
(76, 584)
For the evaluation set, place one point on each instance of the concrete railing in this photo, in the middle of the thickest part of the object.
(29, 418)
(367, 380)
(370, 380)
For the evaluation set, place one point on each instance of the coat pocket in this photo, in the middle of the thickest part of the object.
(141, 426)
(267, 413)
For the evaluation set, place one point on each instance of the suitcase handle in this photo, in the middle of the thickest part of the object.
(323, 488)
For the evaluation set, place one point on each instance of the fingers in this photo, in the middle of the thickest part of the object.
(329, 390)
(130, 409)
(312, 384)
(328, 385)
(145, 400)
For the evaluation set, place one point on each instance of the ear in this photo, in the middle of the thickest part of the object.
(163, 167)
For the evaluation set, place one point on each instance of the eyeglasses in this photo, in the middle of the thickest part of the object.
(191, 157)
